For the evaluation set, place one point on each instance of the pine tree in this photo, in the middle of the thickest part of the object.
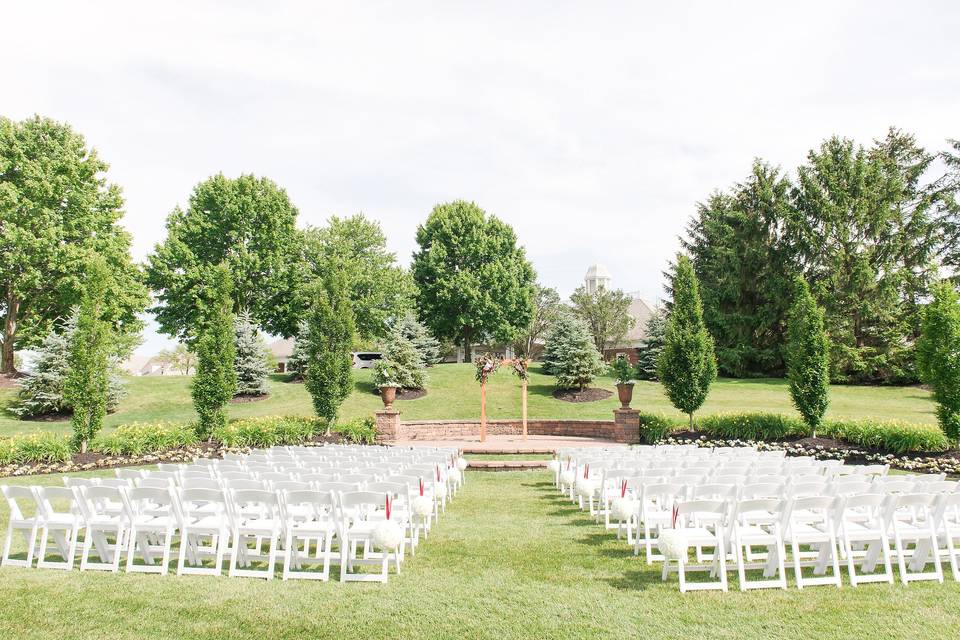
(401, 364)
(423, 341)
(41, 390)
(649, 352)
(687, 364)
(297, 364)
(250, 361)
(571, 354)
(88, 358)
(808, 356)
(329, 378)
(938, 355)
(216, 380)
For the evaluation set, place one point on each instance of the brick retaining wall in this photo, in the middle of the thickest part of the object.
(442, 429)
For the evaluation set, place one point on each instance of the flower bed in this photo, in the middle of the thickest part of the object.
(136, 444)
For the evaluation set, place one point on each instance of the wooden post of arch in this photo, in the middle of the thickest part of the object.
(523, 403)
(483, 410)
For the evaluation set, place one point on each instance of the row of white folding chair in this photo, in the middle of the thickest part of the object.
(144, 521)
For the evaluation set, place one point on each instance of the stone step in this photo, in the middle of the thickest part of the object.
(506, 465)
(508, 451)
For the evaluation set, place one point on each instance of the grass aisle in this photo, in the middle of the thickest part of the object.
(511, 559)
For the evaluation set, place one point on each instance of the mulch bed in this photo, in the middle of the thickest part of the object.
(587, 395)
(49, 417)
(242, 399)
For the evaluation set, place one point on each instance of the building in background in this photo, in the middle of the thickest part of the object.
(598, 278)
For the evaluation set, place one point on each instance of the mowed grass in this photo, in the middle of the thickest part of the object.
(454, 394)
(510, 559)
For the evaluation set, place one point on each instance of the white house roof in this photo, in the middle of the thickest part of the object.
(598, 271)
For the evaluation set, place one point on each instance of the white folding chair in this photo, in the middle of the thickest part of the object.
(256, 516)
(152, 515)
(102, 521)
(757, 522)
(205, 517)
(28, 525)
(307, 515)
(809, 522)
(910, 516)
(63, 525)
(862, 524)
(693, 521)
(358, 513)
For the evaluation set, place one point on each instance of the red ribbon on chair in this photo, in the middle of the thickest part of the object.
(674, 515)
(437, 467)
(421, 487)
(623, 489)
(387, 505)
(586, 471)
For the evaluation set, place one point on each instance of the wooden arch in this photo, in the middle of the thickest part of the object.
(487, 365)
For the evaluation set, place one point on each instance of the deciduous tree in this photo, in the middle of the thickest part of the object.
(546, 307)
(606, 314)
(474, 282)
(57, 211)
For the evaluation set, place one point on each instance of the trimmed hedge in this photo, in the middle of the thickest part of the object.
(35, 447)
(140, 438)
(885, 435)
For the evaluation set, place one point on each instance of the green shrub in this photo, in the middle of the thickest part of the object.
(268, 431)
(358, 430)
(753, 426)
(654, 427)
(895, 437)
(138, 439)
(34, 448)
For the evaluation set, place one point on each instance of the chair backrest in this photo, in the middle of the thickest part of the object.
(762, 490)
(147, 499)
(317, 477)
(131, 474)
(246, 485)
(157, 483)
(19, 500)
(811, 509)
(197, 502)
(121, 483)
(807, 489)
(52, 497)
(79, 482)
(360, 505)
(713, 491)
(97, 501)
(254, 504)
(691, 510)
(891, 486)
(865, 507)
(321, 505)
(851, 487)
(291, 485)
(753, 507)
(200, 483)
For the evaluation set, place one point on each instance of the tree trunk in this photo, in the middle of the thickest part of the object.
(467, 352)
(691, 422)
(9, 334)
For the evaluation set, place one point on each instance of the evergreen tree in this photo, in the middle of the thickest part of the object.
(250, 361)
(423, 341)
(88, 358)
(401, 365)
(42, 390)
(742, 257)
(938, 355)
(687, 364)
(329, 377)
(216, 379)
(570, 353)
(808, 357)
(297, 364)
(649, 352)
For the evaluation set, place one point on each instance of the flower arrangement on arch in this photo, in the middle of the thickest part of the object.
(519, 367)
(486, 364)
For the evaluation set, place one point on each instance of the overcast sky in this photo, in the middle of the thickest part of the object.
(593, 128)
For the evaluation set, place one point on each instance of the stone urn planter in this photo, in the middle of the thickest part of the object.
(388, 395)
(625, 393)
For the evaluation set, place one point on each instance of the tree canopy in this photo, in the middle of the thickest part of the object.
(246, 224)
(546, 308)
(474, 282)
(57, 211)
(606, 314)
(570, 353)
(379, 290)
(329, 337)
(938, 355)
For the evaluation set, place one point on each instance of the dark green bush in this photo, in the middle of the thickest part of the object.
(654, 427)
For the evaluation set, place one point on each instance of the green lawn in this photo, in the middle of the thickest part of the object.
(511, 559)
(453, 393)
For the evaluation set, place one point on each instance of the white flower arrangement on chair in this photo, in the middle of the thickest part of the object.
(439, 486)
(623, 507)
(672, 543)
(421, 505)
(586, 486)
(388, 535)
